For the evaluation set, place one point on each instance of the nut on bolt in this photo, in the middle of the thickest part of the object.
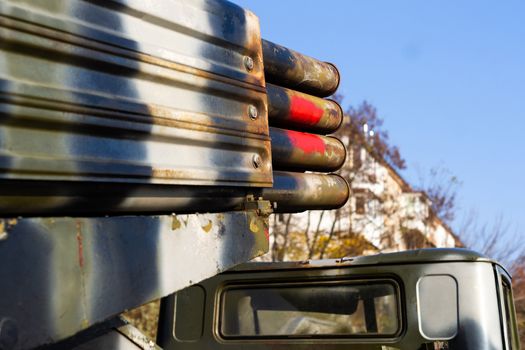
(252, 112)
(256, 161)
(248, 63)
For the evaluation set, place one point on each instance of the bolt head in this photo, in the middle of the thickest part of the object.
(256, 161)
(252, 112)
(248, 63)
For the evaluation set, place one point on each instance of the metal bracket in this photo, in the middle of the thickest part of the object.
(261, 206)
(63, 275)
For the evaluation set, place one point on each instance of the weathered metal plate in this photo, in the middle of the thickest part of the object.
(132, 91)
(62, 275)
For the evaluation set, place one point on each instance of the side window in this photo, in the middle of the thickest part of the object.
(509, 317)
(310, 310)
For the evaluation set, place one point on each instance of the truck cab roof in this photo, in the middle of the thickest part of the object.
(430, 255)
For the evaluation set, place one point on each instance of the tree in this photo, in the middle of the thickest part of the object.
(441, 187)
(304, 236)
(365, 118)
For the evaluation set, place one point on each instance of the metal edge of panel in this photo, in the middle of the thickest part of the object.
(416, 256)
(100, 91)
(210, 36)
(77, 272)
(75, 198)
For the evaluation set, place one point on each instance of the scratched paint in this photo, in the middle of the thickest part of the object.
(207, 228)
(175, 223)
(80, 245)
(3, 233)
(254, 227)
(5, 226)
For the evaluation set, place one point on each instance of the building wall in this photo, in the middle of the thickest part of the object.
(397, 217)
(383, 209)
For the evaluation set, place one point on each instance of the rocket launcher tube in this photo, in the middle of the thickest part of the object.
(299, 151)
(291, 109)
(288, 68)
(295, 192)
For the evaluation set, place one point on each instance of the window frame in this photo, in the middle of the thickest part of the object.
(394, 282)
(509, 331)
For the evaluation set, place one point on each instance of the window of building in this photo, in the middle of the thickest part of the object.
(356, 157)
(414, 239)
(387, 240)
(360, 204)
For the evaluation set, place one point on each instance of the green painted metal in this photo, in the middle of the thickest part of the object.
(62, 275)
(473, 278)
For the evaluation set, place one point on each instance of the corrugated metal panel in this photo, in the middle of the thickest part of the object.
(141, 92)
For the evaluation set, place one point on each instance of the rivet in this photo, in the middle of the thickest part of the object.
(252, 112)
(248, 63)
(256, 160)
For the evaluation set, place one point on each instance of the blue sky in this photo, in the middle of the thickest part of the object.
(448, 78)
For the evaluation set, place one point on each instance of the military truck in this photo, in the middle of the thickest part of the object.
(143, 147)
(420, 299)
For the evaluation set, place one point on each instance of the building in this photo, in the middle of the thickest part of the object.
(387, 211)
(383, 214)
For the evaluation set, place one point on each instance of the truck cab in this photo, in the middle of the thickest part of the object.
(420, 299)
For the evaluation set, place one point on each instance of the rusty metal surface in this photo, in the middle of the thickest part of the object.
(62, 275)
(294, 150)
(294, 192)
(31, 198)
(294, 110)
(295, 84)
(288, 68)
(135, 92)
